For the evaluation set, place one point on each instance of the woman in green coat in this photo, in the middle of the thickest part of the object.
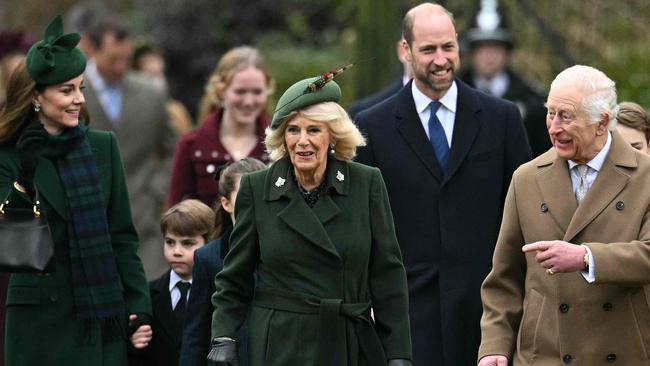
(313, 249)
(79, 313)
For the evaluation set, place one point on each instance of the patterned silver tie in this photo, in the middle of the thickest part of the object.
(583, 187)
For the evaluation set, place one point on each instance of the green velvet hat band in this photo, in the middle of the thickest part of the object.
(303, 94)
(55, 58)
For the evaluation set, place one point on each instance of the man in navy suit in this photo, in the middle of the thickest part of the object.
(447, 175)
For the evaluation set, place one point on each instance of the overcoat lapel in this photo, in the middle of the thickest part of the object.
(466, 127)
(554, 183)
(297, 214)
(50, 191)
(409, 126)
(130, 102)
(608, 184)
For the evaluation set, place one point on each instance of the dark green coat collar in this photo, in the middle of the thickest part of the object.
(279, 179)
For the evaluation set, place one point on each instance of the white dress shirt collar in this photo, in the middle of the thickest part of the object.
(597, 162)
(449, 100)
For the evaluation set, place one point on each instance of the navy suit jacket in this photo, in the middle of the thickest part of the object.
(446, 223)
(378, 97)
(198, 313)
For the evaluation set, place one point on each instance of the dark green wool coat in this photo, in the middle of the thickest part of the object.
(41, 325)
(318, 271)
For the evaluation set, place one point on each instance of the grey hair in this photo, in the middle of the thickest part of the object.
(598, 89)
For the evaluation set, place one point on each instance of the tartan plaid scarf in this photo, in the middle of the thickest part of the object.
(95, 280)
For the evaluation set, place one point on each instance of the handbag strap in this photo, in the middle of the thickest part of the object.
(36, 204)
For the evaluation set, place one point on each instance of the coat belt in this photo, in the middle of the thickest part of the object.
(333, 314)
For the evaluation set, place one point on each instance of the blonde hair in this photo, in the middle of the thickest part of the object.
(189, 218)
(232, 62)
(344, 134)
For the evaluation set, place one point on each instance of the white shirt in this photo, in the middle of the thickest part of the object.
(446, 113)
(174, 292)
(594, 166)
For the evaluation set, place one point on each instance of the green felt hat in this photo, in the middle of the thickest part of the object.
(55, 58)
(303, 94)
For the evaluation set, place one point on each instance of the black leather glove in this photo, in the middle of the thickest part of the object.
(28, 150)
(399, 362)
(224, 352)
(141, 319)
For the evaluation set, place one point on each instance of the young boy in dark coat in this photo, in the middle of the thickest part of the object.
(186, 227)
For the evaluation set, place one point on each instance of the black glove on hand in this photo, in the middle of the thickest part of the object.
(28, 151)
(142, 319)
(399, 362)
(224, 352)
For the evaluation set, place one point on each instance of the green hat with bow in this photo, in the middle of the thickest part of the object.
(55, 58)
(307, 92)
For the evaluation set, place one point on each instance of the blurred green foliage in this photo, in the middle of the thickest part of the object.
(302, 38)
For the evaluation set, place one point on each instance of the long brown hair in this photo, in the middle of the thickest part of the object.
(18, 109)
(227, 182)
(18, 105)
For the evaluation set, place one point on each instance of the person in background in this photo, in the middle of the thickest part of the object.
(446, 152)
(491, 45)
(13, 48)
(570, 277)
(185, 227)
(390, 89)
(313, 249)
(78, 314)
(123, 102)
(207, 263)
(634, 125)
(149, 61)
(233, 119)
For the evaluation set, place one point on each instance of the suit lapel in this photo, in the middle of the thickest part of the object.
(297, 215)
(99, 119)
(554, 183)
(466, 127)
(608, 184)
(162, 303)
(409, 126)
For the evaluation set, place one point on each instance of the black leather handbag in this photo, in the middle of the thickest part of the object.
(26, 243)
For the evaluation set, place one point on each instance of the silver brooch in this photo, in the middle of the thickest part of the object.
(339, 176)
(280, 182)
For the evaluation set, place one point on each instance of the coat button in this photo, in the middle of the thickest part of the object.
(564, 308)
(567, 358)
(611, 357)
(53, 297)
(210, 168)
(198, 153)
(543, 207)
(214, 154)
(608, 306)
(620, 205)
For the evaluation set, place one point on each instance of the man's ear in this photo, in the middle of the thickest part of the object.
(603, 124)
(406, 51)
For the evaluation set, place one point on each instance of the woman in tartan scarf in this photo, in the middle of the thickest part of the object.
(85, 310)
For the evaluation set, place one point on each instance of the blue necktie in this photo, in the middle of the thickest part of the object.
(438, 137)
